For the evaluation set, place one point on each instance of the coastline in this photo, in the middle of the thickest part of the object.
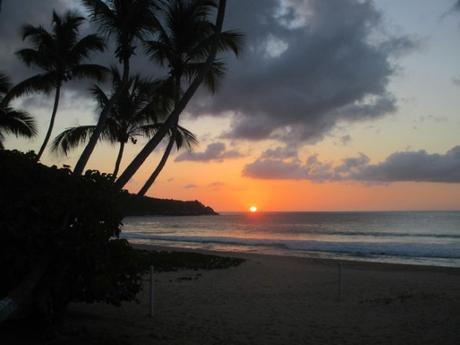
(286, 300)
(357, 264)
(307, 259)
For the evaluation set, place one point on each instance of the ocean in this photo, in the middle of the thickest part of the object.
(422, 238)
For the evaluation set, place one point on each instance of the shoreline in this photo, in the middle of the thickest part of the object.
(307, 259)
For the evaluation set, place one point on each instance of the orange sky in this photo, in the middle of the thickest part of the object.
(425, 85)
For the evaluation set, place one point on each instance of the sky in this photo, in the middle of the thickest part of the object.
(333, 105)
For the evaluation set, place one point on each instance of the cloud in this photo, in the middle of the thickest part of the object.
(217, 185)
(275, 169)
(408, 166)
(17, 13)
(308, 65)
(280, 153)
(456, 81)
(190, 186)
(213, 152)
(457, 5)
(345, 140)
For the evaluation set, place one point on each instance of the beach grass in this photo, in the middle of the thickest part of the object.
(171, 261)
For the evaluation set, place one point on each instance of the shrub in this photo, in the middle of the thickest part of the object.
(46, 212)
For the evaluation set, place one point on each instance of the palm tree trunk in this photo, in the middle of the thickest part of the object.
(174, 116)
(51, 125)
(118, 162)
(10, 304)
(21, 293)
(166, 154)
(159, 168)
(83, 160)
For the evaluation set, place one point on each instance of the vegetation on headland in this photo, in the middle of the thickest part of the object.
(144, 206)
(60, 226)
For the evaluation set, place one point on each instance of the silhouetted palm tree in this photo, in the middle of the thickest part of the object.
(184, 40)
(13, 121)
(188, 43)
(182, 44)
(179, 136)
(134, 114)
(128, 21)
(59, 54)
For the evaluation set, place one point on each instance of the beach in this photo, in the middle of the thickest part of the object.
(285, 300)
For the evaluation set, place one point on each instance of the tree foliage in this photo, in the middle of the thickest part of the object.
(48, 212)
(13, 121)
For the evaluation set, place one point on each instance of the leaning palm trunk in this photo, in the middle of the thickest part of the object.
(174, 116)
(86, 154)
(167, 152)
(51, 125)
(159, 168)
(19, 295)
(119, 158)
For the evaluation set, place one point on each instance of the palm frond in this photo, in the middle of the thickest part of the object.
(214, 76)
(71, 138)
(148, 130)
(37, 34)
(39, 83)
(90, 71)
(19, 123)
(126, 19)
(84, 47)
(35, 57)
(183, 137)
(5, 83)
(101, 98)
(101, 14)
(226, 41)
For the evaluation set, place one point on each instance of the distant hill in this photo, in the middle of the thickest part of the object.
(145, 206)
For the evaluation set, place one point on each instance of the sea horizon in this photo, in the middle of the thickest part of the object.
(340, 211)
(409, 237)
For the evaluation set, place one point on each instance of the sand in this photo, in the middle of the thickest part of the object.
(281, 300)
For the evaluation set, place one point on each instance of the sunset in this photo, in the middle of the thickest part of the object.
(230, 172)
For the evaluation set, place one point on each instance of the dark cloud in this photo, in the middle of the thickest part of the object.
(308, 65)
(285, 152)
(16, 13)
(213, 152)
(19, 12)
(456, 81)
(275, 169)
(190, 186)
(345, 140)
(457, 5)
(415, 166)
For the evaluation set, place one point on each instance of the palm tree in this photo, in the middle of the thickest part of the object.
(182, 43)
(13, 121)
(128, 21)
(184, 40)
(134, 114)
(179, 136)
(201, 64)
(59, 54)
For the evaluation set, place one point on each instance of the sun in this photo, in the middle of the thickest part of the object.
(253, 209)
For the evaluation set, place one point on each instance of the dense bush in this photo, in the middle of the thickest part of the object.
(73, 223)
